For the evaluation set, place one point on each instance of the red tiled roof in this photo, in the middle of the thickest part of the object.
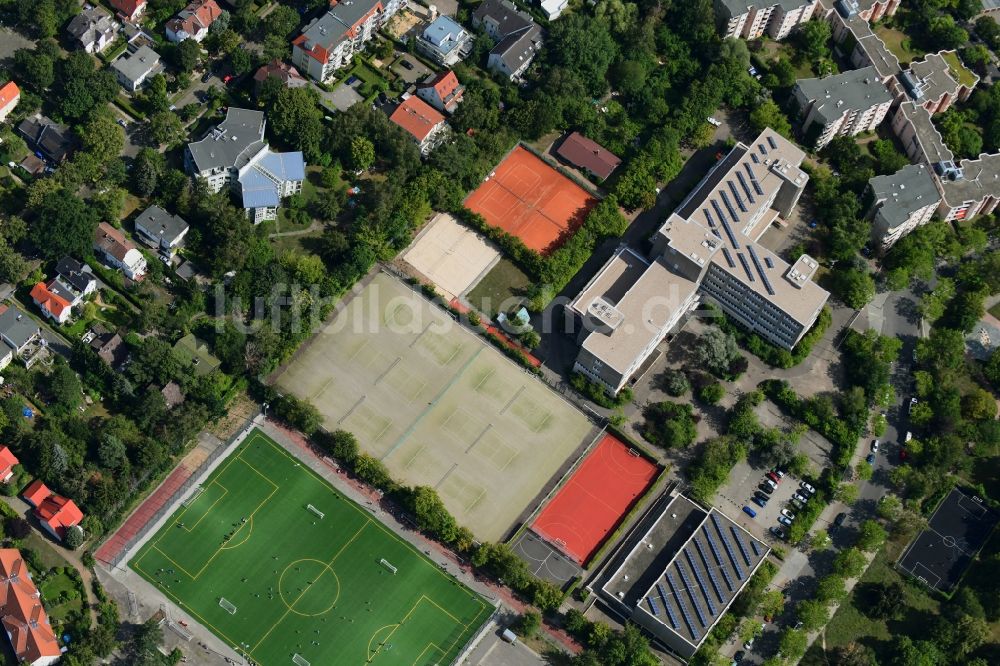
(317, 52)
(47, 300)
(36, 492)
(277, 68)
(7, 460)
(580, 151)
(21, 611)
(59, 513)
(9, 93)
(112, 241)
(444, 83)
(127, 7)
(196, 16)
(417, 117)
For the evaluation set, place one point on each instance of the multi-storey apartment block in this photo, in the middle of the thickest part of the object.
(842, 104)
(330, 41)
(936, 82)
(901, 202)
(750, 19)
(707, 248)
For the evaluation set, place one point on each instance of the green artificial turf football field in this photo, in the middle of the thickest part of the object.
(248, 559)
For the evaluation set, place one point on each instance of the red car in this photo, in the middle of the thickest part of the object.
(227, 78)
(774, 477)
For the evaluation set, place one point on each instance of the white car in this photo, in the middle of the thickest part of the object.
(809, 489)
(913, 401)
(714, 122)
(771, 483)
(788, 514)
(909, 435)
(874, 446)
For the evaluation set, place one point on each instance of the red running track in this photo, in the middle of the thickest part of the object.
(111, 548)
(592, 503)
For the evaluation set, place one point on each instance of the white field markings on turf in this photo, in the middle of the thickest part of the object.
(973, 507)
(937, 579)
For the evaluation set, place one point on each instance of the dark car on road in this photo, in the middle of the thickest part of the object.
(839, 520)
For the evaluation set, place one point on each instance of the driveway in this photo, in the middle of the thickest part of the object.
(418, 72)
(10, 42)
(342, 98)
(494, 651)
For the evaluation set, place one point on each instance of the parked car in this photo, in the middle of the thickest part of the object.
(909, 436)
(870, 459)
(771, 483)
(750, 512)
(839, 520)
(809, 489)
(714, 122)
(788, 514)
(759, 501)
(762, 495)
(206, 76)
(777, 531)
(766, 488)
(779, 472)
(913, 401)
(227, 78)
(122, 122)
(749, 643)
(738, 657)
(797, 504)
(406, 64)
(875, 444)
(774, 477)
(800, 497)
(784, 521)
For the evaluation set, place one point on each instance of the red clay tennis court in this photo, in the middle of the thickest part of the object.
(529, 199)
(601, 491)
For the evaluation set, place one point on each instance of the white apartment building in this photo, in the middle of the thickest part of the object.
(842, 104)
(751, 19)
(901, 202)
(330, 41)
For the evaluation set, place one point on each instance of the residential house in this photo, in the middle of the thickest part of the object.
(197, 355)
(133, 69)
(20, 335)
(553, 8)
(77, 279)
(329, 42)
(193, 21)
(172, 395)
(93, 29)
(281, 70)
(109, 346)
(518, 37)
(7, 462)
(115, 250)
(53, 141)
(10, 95)
(588, 156)
(442, 91)
(752, 19)
(23, 616)
(128, 10)
(707, 248)
(161, 231)
(57, 514)
(841, 104)
(901, 202)
(936, 82)
(425, 125)
(52, 305)
(235, 155)
(444, 42)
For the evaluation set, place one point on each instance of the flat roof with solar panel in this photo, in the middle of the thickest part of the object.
(680, 570)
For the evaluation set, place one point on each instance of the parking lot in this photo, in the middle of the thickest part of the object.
(416, 72)
(746, 480)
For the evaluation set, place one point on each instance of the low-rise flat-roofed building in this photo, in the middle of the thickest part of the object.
(707, 248)
(750, 19)
(679, 571)
(901, 202)
(937, 81)
(444, 42)
(133, 69)
(842, 104)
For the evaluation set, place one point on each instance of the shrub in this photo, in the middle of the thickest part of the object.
(528, 624)
(711, 394)
(595, 392)
(675, 383)
(669, 424)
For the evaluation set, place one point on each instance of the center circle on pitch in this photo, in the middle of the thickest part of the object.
(949, 541)
(309, 587)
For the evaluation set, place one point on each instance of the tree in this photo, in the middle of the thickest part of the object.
(863, 471)
(772, 603)
(165, 127)
(793, 644)
(814, 37)
(850, 563)
(768, 114)
(280, 22)
(889, 601)
(989, 31)
(240, 60)
(67, 226)
(431, 514)
(669, 424)
(846, 493)
(855, 287)
(676, 383)
(716, 350)
(111, 452)
(295, 117)
(583, 45)
(711, 393)
(187, 55)
(812, 613)
(889, 507)
(943, 33)
(17, 528)
(102, 137)
(12, 264)
(979, 405)
(873, 535)
(362, 153)
(149, 166)
(820, 540)
(74, 537)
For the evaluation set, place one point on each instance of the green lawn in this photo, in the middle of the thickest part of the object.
(52, 588)
(506, 281)
(958, 70)
(995, 310)
(302, 584)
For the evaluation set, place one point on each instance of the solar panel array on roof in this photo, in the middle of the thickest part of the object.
(753, 179)
(725, 224)
(729, 205)
(769, 262)
(701, 582)
(756, 550)
(708, 216)
(743, 183)
(729, 549)
(771, 142)
(666, 606)
(680, 604)
(742, 547)
(746, 266)
(753, 156)
(652, 606)
(691, 595)
(760, 270)
(762, 149)
(739, 199)
(729, 257)
(709, 571)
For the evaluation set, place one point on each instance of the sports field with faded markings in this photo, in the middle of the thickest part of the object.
(438, 405)
(300, 588)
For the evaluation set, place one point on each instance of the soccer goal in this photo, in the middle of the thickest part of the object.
(299, 660)
(316, 511)
(227, 606)
(384, 562)
(195, 495)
